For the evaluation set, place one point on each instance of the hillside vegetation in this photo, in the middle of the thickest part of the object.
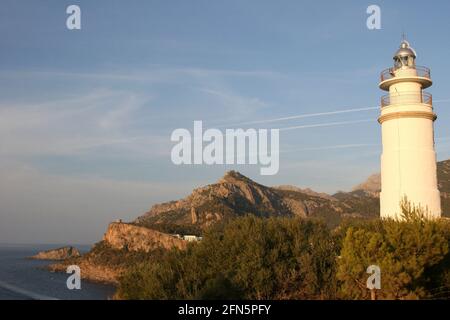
(292, 258)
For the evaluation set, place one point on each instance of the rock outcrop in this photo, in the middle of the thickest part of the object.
(137, 238)
(91, 270)
(121, 243)
(57, 254)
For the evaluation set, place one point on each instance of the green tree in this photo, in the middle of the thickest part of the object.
(405, 250)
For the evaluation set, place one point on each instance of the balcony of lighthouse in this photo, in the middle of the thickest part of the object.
(418, 74)
(407, 98)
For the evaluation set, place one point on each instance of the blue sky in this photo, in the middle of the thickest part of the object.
(86, 116)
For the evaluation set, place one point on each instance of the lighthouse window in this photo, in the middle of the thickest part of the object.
(405, 61)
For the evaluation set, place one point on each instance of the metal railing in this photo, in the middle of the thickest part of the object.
(405, 98)
(423, 72)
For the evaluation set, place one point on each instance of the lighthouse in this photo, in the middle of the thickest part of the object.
(408, 161)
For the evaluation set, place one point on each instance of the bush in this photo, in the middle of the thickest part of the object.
(406, 252)
(248, 258)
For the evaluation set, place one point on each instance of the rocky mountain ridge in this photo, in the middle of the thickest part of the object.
(236, 195)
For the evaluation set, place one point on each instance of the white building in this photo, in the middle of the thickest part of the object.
(188, 237)
(408, 162)
(191, 238)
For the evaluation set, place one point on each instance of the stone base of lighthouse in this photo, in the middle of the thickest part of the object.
(408, 162)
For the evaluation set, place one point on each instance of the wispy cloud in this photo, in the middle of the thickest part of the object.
(240, 105)
(150, 74)
(71, 125)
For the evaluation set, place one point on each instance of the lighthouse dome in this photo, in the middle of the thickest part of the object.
(405, 50)
(405, 56)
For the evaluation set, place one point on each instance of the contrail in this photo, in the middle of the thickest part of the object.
(327, 124)
(25, 293)
(338, 146)
(306, 115)
(317, 114)
(317, 125)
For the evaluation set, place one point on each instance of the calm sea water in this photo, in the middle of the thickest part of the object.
(22, 278)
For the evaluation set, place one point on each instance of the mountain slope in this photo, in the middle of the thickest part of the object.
(236, 195)
(233, 195)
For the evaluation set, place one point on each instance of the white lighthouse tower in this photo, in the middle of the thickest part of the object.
(408, 162)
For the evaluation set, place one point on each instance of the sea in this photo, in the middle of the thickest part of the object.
(22, 278)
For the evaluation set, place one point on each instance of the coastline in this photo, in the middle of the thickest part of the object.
(19, 273)
(89, 271)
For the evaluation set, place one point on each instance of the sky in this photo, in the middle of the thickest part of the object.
(86, 115)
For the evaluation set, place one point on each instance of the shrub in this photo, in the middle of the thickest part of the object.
(249, 258)
(405, 250)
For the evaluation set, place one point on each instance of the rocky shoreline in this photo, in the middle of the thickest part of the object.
(109, 258)
(90, 271)
(62, 253)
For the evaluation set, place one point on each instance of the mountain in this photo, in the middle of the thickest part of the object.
(372, 184)
(307, 191)
(236, 195)
(233, 195)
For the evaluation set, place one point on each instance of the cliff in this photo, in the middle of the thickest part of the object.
(136, 238)
(123, 245)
